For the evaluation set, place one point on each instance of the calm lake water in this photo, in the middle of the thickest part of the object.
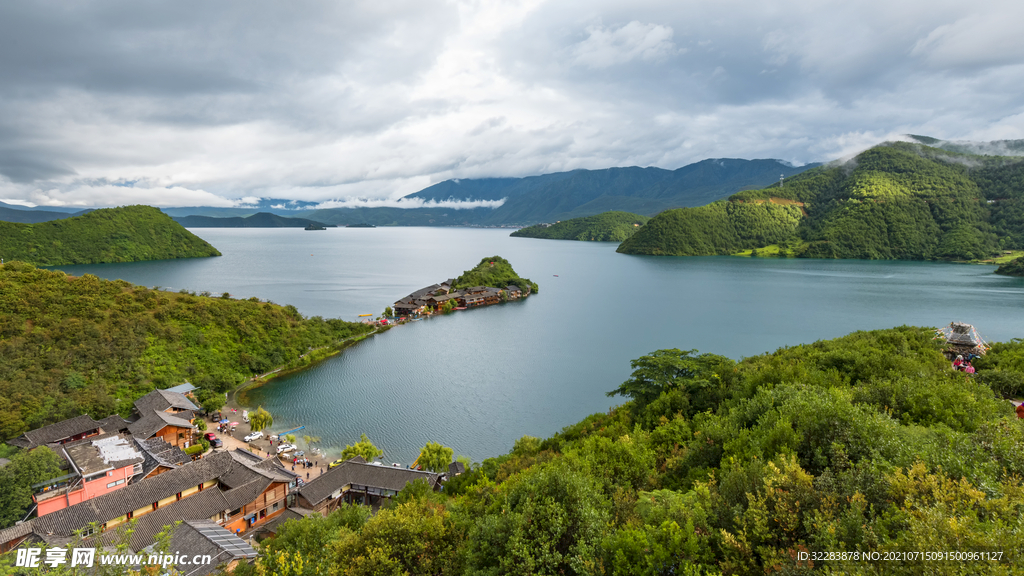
(479, 379)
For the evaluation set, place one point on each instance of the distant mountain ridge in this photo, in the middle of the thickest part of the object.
(543, 198)
(258, 220)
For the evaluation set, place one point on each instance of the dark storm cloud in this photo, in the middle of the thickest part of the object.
(196, 102)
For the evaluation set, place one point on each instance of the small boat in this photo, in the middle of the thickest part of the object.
(556, 275)
(363, 315)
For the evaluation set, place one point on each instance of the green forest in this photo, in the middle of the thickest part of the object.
(125, 234)
(82, 345)
(495, 272)
(604, 227)
(894, 201)
(868, 443)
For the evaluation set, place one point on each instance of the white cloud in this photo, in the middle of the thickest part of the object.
(606, 47)
(362, 102)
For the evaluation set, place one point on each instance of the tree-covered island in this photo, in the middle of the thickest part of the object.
(125, 234)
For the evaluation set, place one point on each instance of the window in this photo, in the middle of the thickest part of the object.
(179, 495)
(200, 487)
(275, 506)
(233, 512)
(156, 505)
(131, 515)
(116, 483)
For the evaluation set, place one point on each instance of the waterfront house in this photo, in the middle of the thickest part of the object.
(356, 481)
(98, 465)
(514, 293)
(456, 468)
(402, 308)
(236, 490)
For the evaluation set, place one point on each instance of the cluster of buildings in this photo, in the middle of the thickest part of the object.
(436, 296)
(119, 471)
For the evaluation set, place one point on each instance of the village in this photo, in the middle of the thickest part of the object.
(444, 297)
(152, 470)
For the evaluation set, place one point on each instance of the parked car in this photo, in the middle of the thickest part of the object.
(338, 462)
(299, 454)
(254, 436)
(210, 436)
(216, 442)
(285, 448)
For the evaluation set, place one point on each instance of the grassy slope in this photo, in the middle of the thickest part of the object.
(605, 227)
(125, 234)
(894, 201)
(84, 345)
(499, 275)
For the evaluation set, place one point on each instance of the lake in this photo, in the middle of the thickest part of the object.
(478, 380)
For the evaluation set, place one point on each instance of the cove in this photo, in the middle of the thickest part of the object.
(477, 380)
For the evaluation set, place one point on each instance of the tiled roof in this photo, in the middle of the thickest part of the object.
(201, 506)
(104, 452)
(135, 496)
(361, 473)
(161, 400)
(205, 537)
(55, 432)
(113, 423)
(181, 388)
(157, 452)
(153, 422)
(456, 468)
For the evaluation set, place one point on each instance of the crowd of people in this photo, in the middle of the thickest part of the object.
(964, 365)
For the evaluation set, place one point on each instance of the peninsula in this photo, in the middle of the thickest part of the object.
(604, 227)
(492, 281)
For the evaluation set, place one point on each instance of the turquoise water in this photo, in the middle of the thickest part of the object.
(479, 379)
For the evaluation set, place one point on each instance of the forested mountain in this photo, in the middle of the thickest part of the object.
(896, 200)
(604, 227)
(83, 345)
(496, 272)
(866, 444)
(258, 220)
(125, 234)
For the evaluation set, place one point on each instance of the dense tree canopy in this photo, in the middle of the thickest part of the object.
(363, 448)
(495, 272)
(71, 345)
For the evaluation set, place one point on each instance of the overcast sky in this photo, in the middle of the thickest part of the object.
(200, 103)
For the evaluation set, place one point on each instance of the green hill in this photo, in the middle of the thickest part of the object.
(894, 201)
(495, 272)
(125, 234)
(84, 345)
(866, 444)
(605, 227)
(258, 220)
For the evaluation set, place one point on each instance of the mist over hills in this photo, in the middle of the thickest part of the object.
(543, 198)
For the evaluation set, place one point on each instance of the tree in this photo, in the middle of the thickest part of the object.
(435, 457)
(665, 370)
(363, 448)
(260, 420)
(290, 438)
(17, 478)
(388, 312)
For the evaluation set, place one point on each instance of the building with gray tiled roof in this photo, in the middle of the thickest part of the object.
(356, 479)
(164, 401)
